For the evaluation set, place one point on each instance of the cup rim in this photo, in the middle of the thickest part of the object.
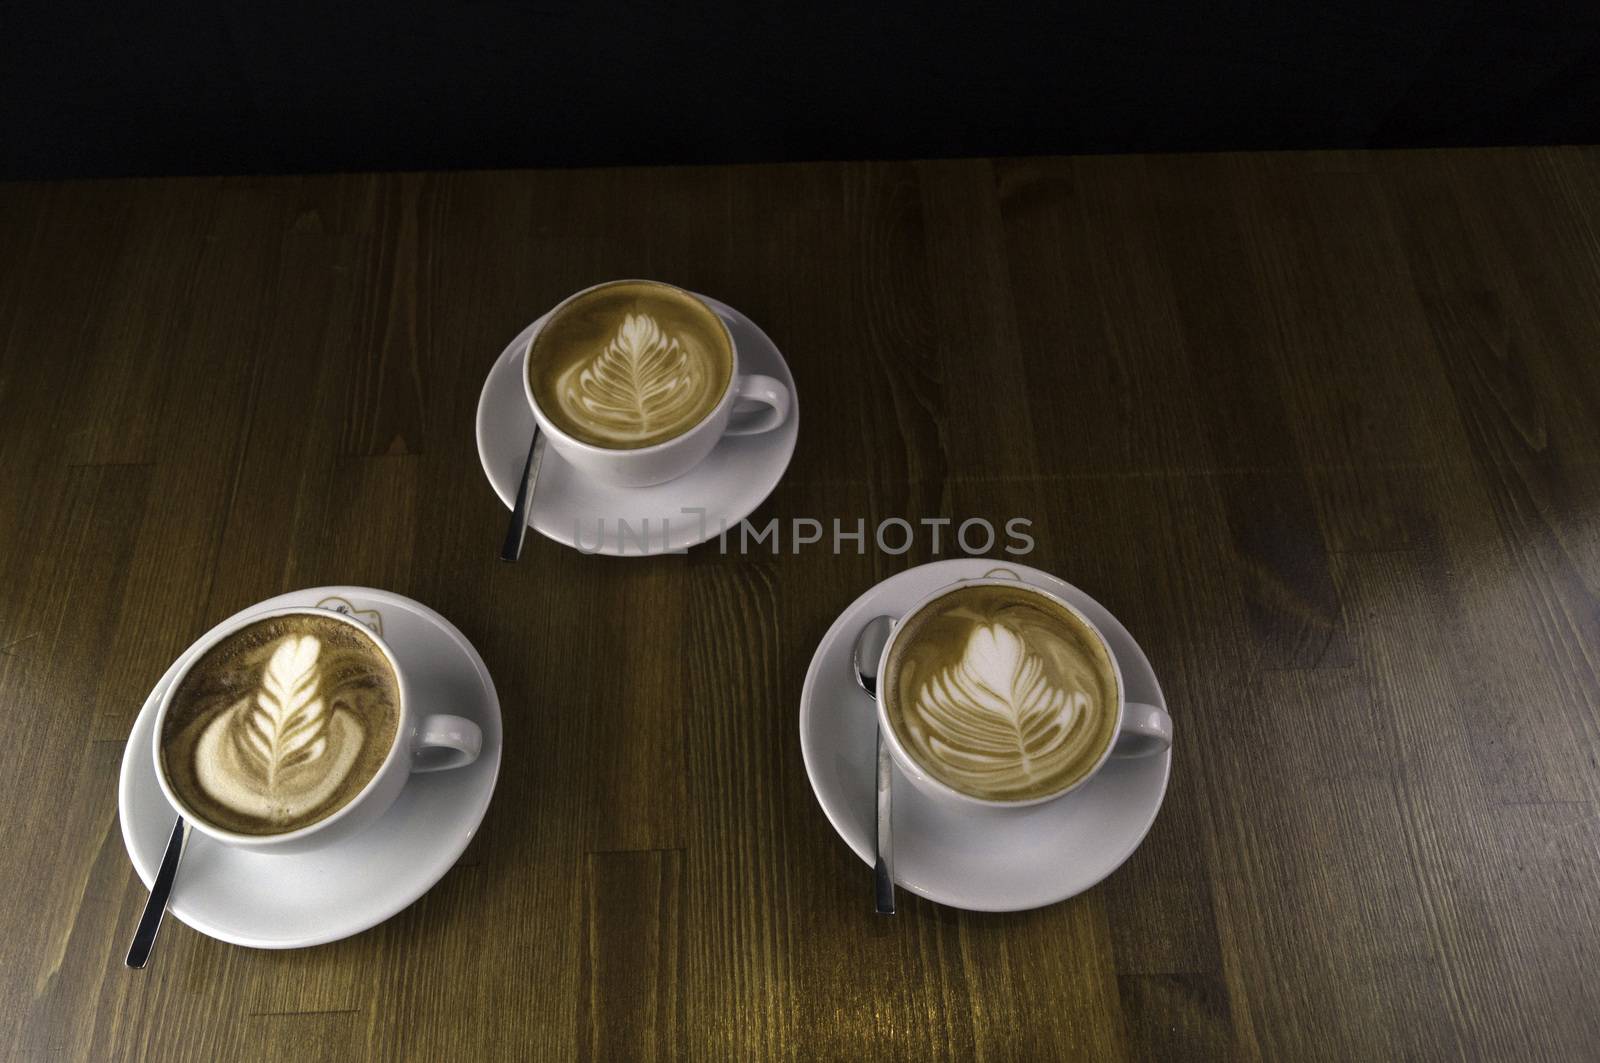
(192, 656)
(550, 428)
(912, 766)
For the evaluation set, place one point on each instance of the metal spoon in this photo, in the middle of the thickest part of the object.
(144, 937)
(869, 647)
(518, 530)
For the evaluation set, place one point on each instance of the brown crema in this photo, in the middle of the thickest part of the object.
(630, 364)
(1001, 693)
(280, 724)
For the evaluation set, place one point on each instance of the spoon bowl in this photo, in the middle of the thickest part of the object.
(869, 648)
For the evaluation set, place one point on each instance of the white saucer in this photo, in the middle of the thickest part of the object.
(979, 859)
(733, 480)
(269, 901)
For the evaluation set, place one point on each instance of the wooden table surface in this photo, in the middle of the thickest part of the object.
(1322, 429)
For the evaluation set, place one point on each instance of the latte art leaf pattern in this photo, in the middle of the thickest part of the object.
(285, 750)
(287, 724)
(280, 723)
(642, 381)
(995, 716)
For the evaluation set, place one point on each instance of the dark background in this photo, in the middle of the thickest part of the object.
(231, 87)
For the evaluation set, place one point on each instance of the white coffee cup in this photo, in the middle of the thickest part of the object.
(1141, 730)
(763, 404)
(432, 742)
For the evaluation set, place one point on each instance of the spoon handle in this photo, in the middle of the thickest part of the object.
(144, 938)
(883, 867)
(518, 530)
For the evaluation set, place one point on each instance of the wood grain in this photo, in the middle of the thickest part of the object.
(1320, 428)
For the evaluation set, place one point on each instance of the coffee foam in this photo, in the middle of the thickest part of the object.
(1001, 693)
(280, 724)
(630, 364)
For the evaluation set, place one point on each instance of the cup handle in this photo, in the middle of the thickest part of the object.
(1145, 730)
(765, 405)
(445, 742)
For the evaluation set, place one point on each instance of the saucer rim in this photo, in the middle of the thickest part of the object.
(789, 430)
(812, 680)
(134, 757)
